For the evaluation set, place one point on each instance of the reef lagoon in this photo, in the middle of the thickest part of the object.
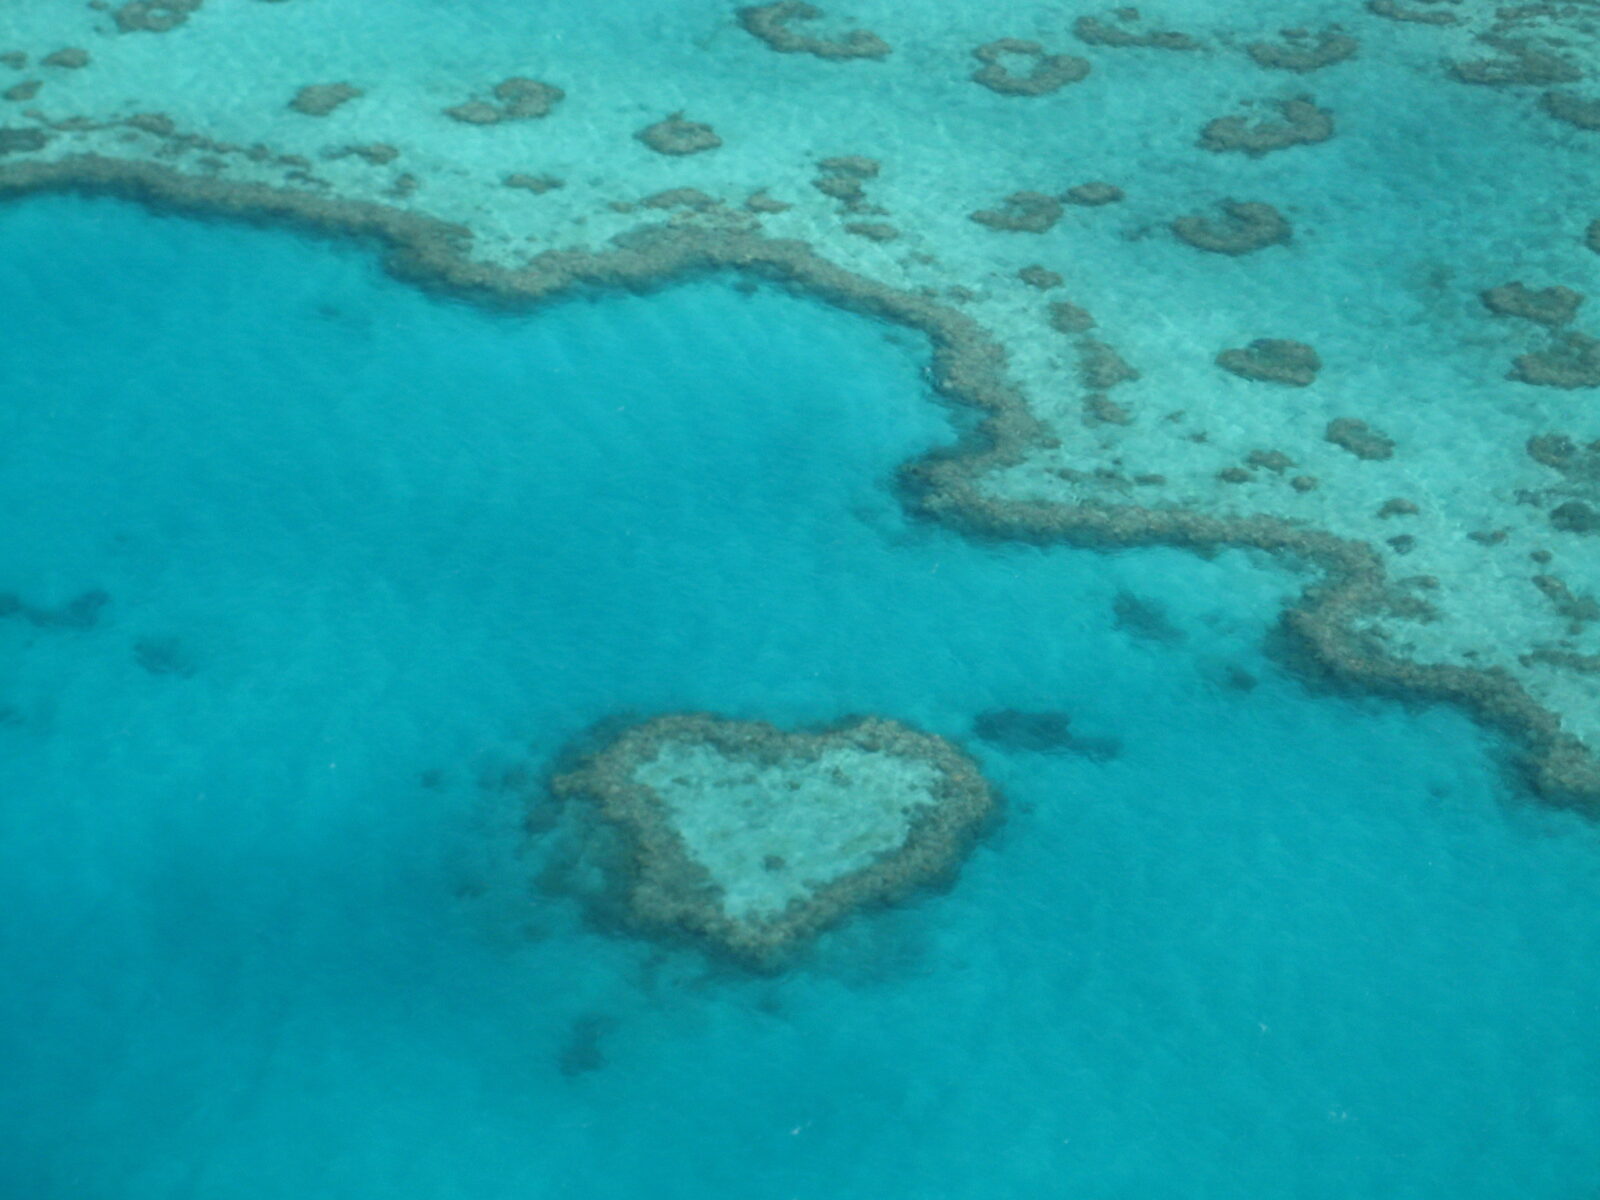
(1154, 443)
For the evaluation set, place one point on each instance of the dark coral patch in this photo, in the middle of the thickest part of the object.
(775, 24)
(1273, 360)
(1572, 360)
(1303, 52)
(1021, 212)
(1302, 124)
(1248, 225)
(676, 136)
(1045, 72)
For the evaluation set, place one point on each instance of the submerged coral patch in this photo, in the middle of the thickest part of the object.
(1273, 360)
(320, 99)
(1359, 438)
(1021, 212)
(1572, 360)
(1574, 110)
(1547, 306)
(1303, 52)
(1099, 33)
(1044, 72)
(676, 136)
(1416, 16)
(752, 839)
(1520, 66)
(154, 16)
(515, 99)
(1248, 225)
(1302, 124)
(775, 25)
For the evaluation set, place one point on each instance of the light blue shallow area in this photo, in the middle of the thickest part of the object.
(269, 921)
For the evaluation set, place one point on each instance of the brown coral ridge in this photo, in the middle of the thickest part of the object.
(1359, 439)
(154, 16)
(22, 141)
(1097, 33)
(1303, 124)
(320, 99)
(773, 24)
(1046, 72)
(1273, 360)
(1546, 306)
(1574, 110)
(73, 58)
(519, 100)
(1093, 194)
(1415, 16)
(844, 177)
(1521, 66)
(1303, 52)
(1248, 225)
(1571, 361)
(663, 890)
(1318, 631)
(1580, 464)
(676, 136)
(1021, 212)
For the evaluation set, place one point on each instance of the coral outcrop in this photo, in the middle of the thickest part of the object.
(750, 839)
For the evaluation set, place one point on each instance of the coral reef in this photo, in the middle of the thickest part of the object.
(518, 99)
(1359, 438)
(1574, 516)
(1571, 361)
(1303, 52)
(751, 840)
(1143, 619)
(71, 57)
(1046, 72)
(1040, 733)
(1303, 123)
(1021, 212)
(320, 99)
(1097, 33)
(1546, 306)
(1273, 360)
(684, 197)
(1322, 634)
(1100, 367)
(873, 231)
(22, 141)
(1067, 317)
(1248, 225)
(1521, 66)
(521, 98)
(760, 202)
(774, 25)
(1574, 110)
(843, 177)
(79, 613)
(1416, 16)
(675, 136)
(154, 16)
(1093, 194)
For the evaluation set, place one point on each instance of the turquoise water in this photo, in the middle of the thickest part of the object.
(358, 562)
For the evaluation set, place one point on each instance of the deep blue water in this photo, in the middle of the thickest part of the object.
(268, 919)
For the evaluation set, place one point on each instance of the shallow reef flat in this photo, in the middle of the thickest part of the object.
(752, 839)
(1209, 280)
